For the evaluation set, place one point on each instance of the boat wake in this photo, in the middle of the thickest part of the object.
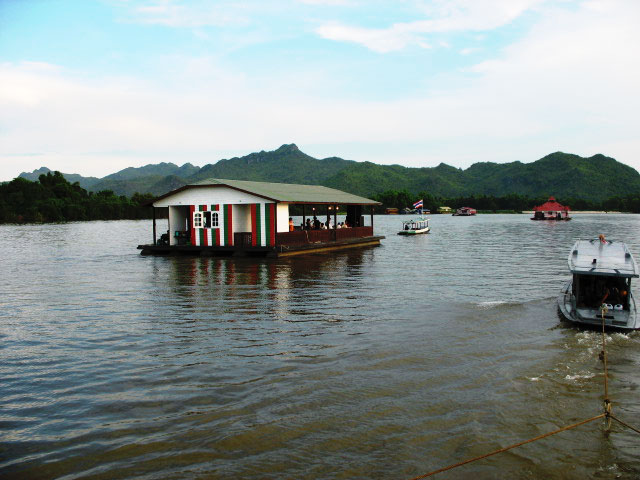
(491, 304)
(579, 376)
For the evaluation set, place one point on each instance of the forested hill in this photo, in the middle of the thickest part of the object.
(85, 182)
(561, 174)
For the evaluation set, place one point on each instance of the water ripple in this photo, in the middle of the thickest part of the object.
(374, 363)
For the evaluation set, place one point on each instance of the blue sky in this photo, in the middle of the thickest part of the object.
(92, 87)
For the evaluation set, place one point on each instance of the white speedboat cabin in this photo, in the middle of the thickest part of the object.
(601, 284)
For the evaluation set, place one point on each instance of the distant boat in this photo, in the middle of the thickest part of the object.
(415, 227)
(465, 212)
(601, 286)
(551, 210)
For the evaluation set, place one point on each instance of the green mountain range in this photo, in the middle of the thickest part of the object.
(560, 174)
(85, 182)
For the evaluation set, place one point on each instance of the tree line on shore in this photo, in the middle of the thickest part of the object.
(508, 203)
(53, 199)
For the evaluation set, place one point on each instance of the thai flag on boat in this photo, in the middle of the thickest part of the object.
(418, 204)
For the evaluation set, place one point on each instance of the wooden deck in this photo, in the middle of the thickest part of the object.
(287, 244)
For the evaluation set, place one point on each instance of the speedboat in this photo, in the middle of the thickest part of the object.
(600, 288)
(415, 227)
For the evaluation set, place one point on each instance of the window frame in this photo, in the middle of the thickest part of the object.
(197, 220)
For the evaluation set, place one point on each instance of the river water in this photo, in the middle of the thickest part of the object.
(385, 362)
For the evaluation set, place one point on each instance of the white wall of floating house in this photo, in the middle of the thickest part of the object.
(207, 196)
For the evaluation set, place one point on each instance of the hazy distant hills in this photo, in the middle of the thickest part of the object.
(85, 182)
(561, 174)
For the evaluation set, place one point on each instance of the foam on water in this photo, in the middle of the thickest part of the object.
(490, 304)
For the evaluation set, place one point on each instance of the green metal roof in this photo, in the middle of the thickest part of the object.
(289, 192)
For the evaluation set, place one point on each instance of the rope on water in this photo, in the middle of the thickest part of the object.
(607, 401)
(607, 414)
(625, 424)
(539, 437)
(603, 356)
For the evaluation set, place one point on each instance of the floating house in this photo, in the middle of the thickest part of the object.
(444, 210)
(237, 217)
(551, 210)
(465, 212)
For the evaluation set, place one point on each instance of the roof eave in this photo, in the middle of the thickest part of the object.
(328, 203)
(186, 187)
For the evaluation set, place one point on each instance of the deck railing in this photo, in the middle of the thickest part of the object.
(304, 237)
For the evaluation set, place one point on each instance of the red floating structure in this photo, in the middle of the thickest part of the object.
(465, 212)
(551, 210)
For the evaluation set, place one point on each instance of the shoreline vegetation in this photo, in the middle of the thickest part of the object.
(511, 203)
(53, 199)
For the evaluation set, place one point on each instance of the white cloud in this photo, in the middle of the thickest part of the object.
(385, 40)
(327, 2)
(570, 84)
(442, 16)
(195, 14)
(469, 50)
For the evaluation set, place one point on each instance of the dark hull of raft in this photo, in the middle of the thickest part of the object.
(246, 251)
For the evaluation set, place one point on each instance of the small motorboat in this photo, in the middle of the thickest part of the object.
(415, 227)
(600, 289)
